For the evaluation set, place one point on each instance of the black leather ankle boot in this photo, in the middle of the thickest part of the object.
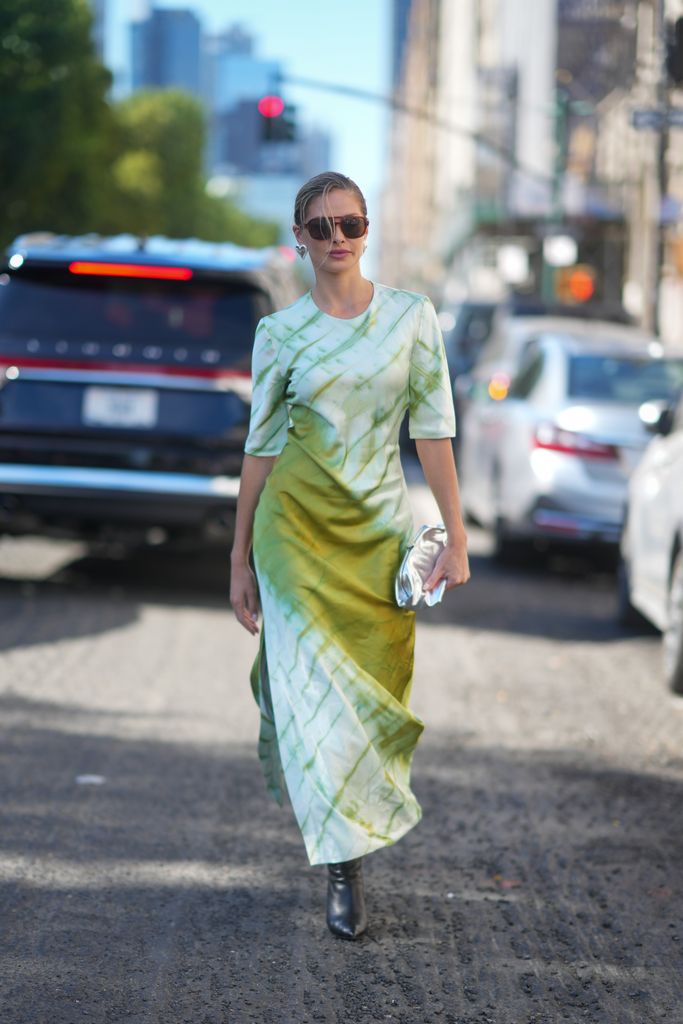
(346, 916)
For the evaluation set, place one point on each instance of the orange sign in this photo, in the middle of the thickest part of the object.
(575, 284)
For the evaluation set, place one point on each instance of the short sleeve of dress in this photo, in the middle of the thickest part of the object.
(431, 413)
(269, 418)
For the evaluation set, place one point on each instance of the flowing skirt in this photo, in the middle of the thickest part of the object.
(333, 674)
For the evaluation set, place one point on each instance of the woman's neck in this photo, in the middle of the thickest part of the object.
(341, 296)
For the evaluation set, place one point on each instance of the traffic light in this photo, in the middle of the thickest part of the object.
(278, 120)
(674, 51)
(575, 284)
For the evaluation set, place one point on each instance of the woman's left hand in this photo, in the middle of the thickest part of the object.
(451, 565)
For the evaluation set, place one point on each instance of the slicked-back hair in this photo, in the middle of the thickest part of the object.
(320, 186)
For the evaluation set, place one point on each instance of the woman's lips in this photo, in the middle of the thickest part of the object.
(338, 253)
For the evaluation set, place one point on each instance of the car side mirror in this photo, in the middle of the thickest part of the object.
(657, 417)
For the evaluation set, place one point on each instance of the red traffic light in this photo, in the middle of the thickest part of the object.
(271, 106)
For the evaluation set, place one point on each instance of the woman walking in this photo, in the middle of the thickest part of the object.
(324, 502)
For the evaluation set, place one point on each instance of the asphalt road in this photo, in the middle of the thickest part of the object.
(146, 877)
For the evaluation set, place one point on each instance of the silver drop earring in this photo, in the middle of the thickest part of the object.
(302, 250)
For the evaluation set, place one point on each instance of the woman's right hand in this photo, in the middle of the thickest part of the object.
(243, 589)
(244, 596)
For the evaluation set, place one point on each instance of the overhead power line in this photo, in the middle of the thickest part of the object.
(502, 152)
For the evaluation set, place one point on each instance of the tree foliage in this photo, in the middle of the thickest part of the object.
(157, 174)
(71, 161)
(54, 118)
(158, 180)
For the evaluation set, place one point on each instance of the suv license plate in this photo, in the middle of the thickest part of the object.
(120, 407)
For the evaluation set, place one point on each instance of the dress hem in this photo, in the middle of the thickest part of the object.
(368, 847)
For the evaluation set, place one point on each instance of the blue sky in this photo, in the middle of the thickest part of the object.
(345, 43)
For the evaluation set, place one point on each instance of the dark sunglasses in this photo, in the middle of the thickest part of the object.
(352, 226)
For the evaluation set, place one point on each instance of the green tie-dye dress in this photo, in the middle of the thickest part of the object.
(333, 674)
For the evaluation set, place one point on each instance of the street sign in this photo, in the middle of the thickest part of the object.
(657, 118)
(645, 118)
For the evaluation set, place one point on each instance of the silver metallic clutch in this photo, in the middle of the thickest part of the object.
(416, 567)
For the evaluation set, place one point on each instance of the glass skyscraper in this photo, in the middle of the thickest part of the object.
(166, 51)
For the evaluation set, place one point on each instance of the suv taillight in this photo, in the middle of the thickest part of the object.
(94, 269)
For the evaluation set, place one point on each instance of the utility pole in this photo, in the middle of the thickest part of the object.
(662, 168)
(562, 106)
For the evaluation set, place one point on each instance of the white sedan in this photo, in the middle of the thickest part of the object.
(552, 433)
(651, 578)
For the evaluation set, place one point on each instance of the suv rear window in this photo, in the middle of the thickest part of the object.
(50, 313)
(623, 379)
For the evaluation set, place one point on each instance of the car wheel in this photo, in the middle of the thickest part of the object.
(627, 615)
(506, 549)
(673, 634)
(469, 517)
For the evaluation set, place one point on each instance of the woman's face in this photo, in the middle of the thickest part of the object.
(338, 254)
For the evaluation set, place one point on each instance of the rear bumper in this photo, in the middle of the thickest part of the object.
(557, 524)
(568, 501)
(82, 500)
(28, 479)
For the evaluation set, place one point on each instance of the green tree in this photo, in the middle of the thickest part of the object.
(55, 121)
(72, 162)
(158, 168)
(158, 181)
(221, 220)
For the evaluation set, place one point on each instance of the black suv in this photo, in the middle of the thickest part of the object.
(125, 383)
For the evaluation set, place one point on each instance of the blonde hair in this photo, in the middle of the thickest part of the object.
(321, 185)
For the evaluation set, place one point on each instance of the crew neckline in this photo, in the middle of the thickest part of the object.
(346, 319)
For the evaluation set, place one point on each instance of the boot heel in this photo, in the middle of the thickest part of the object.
(346, 914)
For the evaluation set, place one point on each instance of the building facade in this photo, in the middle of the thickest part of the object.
(641, 165)
(500, 146)
(99, 25)
(262, 175)
(166, 51)
(236, 77)
(169, 50)
(470, 140)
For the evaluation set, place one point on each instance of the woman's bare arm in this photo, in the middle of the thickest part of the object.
(243, 590)
(438, 465)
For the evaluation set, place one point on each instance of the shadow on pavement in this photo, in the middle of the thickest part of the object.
(556, 600)
(561, 599)
(46, 611)
(93, 594)
(154, 572)
(539, 887)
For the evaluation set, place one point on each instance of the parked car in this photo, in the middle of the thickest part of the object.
(651, 571)
(466, 329)
(125, 383)
(474, 330)
(552, 429)
(503, 329)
